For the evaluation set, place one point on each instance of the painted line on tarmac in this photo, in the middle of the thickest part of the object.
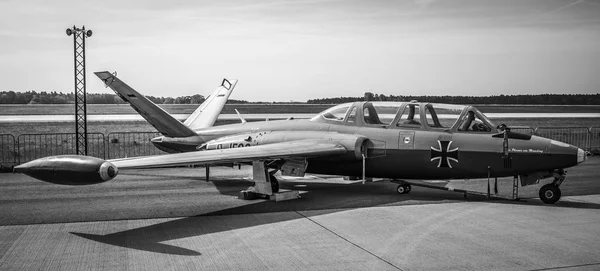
(350, 242)
(583, 199)
(567, 266)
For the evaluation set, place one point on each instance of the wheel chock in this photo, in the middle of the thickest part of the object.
(285, 195)
(251, 195)
(279, 196)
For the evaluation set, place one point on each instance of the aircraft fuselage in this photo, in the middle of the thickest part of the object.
(403, 153)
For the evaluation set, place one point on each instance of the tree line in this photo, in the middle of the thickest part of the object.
(564, 99)
(43, 97)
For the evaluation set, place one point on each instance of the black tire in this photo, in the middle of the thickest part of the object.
(550, 194)
(407, 187)
(401, 189)
(274, 184)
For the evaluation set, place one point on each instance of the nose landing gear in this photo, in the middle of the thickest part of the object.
(550, 193)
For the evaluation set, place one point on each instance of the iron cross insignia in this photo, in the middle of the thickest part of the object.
(444, 154)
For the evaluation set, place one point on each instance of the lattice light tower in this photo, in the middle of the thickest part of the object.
(79, 35)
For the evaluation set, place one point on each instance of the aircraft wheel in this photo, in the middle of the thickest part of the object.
(407, 187)
(550, 193)
(274, 184)
(401, 189)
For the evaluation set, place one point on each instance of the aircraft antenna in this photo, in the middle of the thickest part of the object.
(79, 35)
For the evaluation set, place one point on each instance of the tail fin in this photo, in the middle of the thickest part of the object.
(156, 116)
(206, 114)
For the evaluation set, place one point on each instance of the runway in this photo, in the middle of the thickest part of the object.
(174, 219)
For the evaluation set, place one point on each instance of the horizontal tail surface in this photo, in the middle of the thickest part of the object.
(208, 112)
(156, 116)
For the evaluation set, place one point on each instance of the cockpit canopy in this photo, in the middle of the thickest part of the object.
(408, 115)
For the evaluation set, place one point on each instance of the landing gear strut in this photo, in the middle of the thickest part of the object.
(266, 186)
(550, 193)
(274, 184)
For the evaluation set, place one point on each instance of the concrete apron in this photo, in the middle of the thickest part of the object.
(465, 236)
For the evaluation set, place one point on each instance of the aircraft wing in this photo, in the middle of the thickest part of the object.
(298, 149)
(82, 170)
(156, 116)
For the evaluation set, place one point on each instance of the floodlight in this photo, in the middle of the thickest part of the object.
(89, 33)
(69, 31)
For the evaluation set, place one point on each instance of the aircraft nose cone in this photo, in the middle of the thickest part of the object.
(581, 157)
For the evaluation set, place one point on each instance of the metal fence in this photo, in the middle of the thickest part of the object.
(8, 151)
(577, 136)
(131, 144)
(594, 140)
(34, 146)
(28, 147)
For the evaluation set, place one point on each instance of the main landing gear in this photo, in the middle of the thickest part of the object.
(266, 186)
(550, 193)
(403, 188)
(274, 183)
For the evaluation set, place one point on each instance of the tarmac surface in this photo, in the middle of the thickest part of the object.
(173, 219)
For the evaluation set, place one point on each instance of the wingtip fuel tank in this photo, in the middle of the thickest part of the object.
(69, 170)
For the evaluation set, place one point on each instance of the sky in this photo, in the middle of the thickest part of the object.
(299, 50)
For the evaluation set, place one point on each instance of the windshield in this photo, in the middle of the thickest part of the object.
(475, 121)
(337, 113)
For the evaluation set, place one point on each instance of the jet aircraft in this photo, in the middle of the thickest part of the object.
(393, 140)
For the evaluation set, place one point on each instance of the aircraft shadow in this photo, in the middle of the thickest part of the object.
(329, 198)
